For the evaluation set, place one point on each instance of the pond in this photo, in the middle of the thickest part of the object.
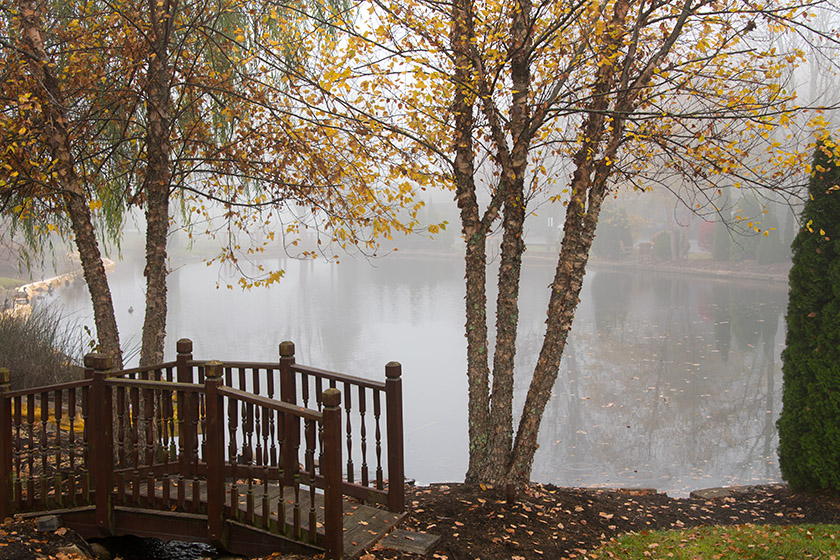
(670, 382)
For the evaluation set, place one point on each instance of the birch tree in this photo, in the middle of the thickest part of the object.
(489, 96)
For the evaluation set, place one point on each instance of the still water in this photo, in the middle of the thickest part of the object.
(668, 382)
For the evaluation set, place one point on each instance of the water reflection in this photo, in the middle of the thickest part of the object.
(668, 382)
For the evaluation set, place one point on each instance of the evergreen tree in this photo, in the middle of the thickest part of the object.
(809, 426)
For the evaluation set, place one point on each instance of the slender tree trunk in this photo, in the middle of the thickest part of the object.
(157, 180)
(588, 188)
(51, 98)
(475, 234)
(514, 166)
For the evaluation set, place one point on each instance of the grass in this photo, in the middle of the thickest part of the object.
(727, 543)
(8, 283)
(37, 349)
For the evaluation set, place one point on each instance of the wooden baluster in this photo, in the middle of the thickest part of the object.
(363, 435)
(86, 436)
(233, 428)
(258, 458)
(331, 470)
(18, 451)
(396, 464)
(272, 432)
(319, 396)
(348, 405)
(134, 427)
(195, 407)
(6, 452)
(266, 504)
(215, 453)
(121, 419)
(377, 414)
(249, 436)
(309, 460)
(71, 444)
(201, 426)
(281, 498)
(160, 424)
(182, 449)
(44, 447)
(58, 406)
(269, 381)
(149, 424)
(30, 455)
(263, 456)
(304, 388)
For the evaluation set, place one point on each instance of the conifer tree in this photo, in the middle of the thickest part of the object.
(809, 426)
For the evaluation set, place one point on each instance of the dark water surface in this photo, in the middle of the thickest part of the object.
(670, 382)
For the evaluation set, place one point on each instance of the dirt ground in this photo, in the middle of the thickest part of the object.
(544, 522)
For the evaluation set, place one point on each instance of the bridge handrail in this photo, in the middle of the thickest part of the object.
(48, 388)
(270, 403)
(144, 369)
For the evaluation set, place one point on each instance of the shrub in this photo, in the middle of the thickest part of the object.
(37, 349)
(705, 236)
(662, 245)
(614, 233)
(721, 242)
(809, 425)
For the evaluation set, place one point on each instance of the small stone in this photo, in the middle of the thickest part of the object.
(100, 551)
(46, 523)
(73, 550)
(711, 493)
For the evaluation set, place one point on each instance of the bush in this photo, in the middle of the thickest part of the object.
(662, 245)
(37, 349)
(705, 236)
(721, 242)
(614, 233)
(809, 425)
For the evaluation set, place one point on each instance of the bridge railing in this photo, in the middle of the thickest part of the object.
(44, 447)
(374, 468)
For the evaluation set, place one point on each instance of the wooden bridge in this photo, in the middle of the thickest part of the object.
(249, 457)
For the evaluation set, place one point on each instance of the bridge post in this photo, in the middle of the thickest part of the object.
(186, 411)
(101, 455)
(396, 462)
(288, 394)
(331, 471)
(215, 449)
(5, 445)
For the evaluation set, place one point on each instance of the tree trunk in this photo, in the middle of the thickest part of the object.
(514, 162)
(51, 97)
(475, 235)
(156, 181)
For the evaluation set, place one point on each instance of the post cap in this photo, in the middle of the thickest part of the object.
(98, 362)
(5, 376)
(184, 346)
(213, 369)
(331, 397)
(393, 370)
(287, 349)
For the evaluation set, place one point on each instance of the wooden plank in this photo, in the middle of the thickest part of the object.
(366, 525)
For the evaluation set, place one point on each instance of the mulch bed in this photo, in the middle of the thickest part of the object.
(544, 521)
(550, 522)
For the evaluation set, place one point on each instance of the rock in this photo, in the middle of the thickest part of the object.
(46, 523)
(711, 493)
(74, 550)
(99, 551)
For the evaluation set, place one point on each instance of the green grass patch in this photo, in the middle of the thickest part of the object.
(727, 543)
(9, 283)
